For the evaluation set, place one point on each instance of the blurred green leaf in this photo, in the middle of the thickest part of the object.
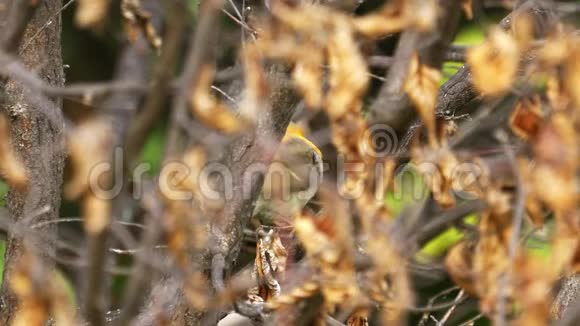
(470, 34)
(440, 244)
(538, 244)
(152, 152)
(3, 192)
(193, 7)
(408, 189)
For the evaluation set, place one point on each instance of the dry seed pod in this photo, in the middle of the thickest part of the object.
(269, 266)
(10, 166)
(139, 20)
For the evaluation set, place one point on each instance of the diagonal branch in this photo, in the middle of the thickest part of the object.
(392, 106)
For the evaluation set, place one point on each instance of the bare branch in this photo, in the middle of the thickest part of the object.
(164, 69)
(19, 14)
(392, 106)
(199, 52)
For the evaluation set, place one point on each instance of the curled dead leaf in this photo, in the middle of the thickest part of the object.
(257, 89)
(308, 79)
(392, 18)
(269, 266)
(139, 19)
(39, 293)
(459, 265)
(89, 147)
(467, 7)
(97, 213)
(348, 72)
(523, 30)
(396, 16)
(494, 63)
(421, 85)
(572, 75)
(209, 110)
(491, 259)
(91, 13)
(527, 118)
(10, 166)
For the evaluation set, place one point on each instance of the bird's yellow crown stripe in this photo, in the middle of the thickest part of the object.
(294, 131)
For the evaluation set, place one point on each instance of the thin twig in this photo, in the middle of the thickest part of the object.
(17, 18)
(153, 106)
(48, 22)
(518, 219)
(224, 94)
(443, 320)
(199, 52)
(241, 23)
(472, 321)
(141, 275)
(425, 316)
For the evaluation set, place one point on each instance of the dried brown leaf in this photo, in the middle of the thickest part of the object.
(494, 64)
(491, 259)
(557, 94)
(360, 317)
(467, 7)
(209, 110)
(257, 89)
(533, 284)
(421, 85)
(91, 13)
(349, 77)
(459, 264)
(523, 30)
(10, 166)
(269, 266)
(555, 50)
(572, 75)
(391, 19)
(97, 213)
(527, 118)
(139, 20)
(26, 283)
(396, 16)
(308, 79)
(89, 147)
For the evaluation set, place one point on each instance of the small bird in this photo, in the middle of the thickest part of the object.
(292, 180)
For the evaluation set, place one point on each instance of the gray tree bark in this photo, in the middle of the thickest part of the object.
(38, 139)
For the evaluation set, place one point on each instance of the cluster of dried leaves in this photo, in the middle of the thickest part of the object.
(321, 48)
